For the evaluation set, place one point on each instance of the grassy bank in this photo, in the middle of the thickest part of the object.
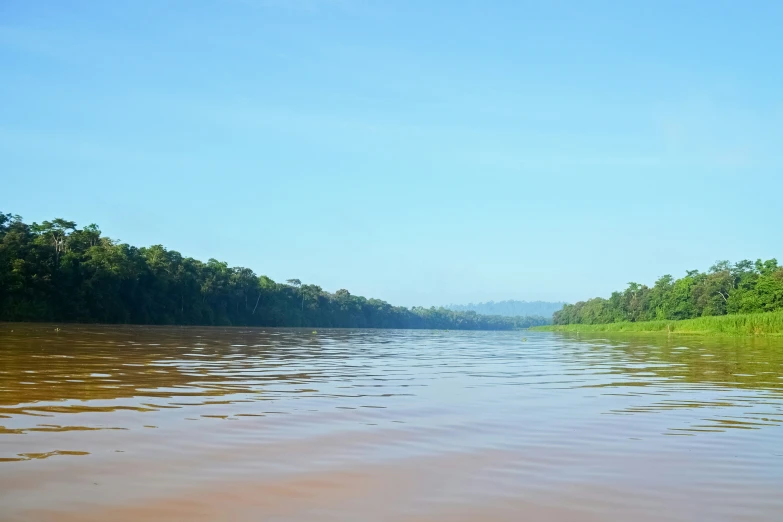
(737, 324)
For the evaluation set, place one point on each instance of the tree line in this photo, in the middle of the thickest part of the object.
(55, 271)
(726, 288)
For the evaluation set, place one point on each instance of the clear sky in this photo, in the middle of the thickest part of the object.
(420, 152)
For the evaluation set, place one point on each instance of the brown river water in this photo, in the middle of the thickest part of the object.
(147, 423)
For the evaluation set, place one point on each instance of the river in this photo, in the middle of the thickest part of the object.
(177, 423)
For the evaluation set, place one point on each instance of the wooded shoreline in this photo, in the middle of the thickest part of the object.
(769, 323)
(57, 272)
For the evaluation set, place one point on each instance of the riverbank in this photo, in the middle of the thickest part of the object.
(103, 281)
(770, 323)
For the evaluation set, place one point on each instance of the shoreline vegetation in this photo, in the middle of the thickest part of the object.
(766, 323)
(744, 298)
(55, 272)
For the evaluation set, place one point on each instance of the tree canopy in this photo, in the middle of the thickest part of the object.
(55, 271)
(726, 288)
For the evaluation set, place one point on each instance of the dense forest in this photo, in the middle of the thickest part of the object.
(510, 308)
(54, 271)
(743, 287)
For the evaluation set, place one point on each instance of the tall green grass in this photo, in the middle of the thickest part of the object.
(770, 323)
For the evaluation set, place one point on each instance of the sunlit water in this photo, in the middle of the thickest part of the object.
(108, 423)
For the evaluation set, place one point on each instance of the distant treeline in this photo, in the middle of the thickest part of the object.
(744, 287)
(54, 271)
(510, 308)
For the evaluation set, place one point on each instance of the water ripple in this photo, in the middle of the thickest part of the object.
(474, 418)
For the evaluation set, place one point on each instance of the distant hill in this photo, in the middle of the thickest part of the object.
(511, 308)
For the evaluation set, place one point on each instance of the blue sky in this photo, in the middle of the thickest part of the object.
(419, 152)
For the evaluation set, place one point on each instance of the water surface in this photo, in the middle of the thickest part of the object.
(129, 423)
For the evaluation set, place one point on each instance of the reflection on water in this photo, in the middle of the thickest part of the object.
(735, 379)
(455, 425)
